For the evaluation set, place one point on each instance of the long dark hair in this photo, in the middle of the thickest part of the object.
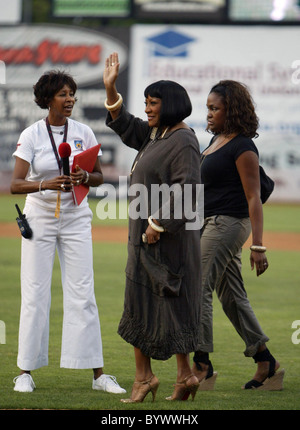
(239, 107)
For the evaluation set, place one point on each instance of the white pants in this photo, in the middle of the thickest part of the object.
(81, 336)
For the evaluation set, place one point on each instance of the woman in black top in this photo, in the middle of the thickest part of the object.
(232, 206)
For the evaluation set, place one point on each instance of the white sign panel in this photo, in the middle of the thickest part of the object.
(264, 58)
(10, 11)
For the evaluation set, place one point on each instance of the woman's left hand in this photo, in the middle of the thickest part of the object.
(111, 70)
(78, 176)
(260, 261)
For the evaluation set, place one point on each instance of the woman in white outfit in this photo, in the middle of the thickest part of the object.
(57, 223)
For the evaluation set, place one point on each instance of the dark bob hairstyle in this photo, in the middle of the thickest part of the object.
(239, 107)
(175, 102)
(49, 84)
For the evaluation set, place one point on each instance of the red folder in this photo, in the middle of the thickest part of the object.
(85, 160)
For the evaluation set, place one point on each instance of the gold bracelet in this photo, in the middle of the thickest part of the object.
(155, 227)
(257, 248)
(115, 106)
(87, 177)
(42, 192)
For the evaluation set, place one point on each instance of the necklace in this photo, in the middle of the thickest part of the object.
(153, 139)
(164, 132)
(219, 144)
(216, 147)
(57, 132)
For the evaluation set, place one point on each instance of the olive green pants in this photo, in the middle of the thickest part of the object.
(222, 238)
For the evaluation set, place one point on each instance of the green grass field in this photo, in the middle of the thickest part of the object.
(274, 297)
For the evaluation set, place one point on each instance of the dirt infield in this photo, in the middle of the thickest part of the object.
(273, 241)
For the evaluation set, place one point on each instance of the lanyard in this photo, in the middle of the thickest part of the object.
(153, 138)
(59, 163)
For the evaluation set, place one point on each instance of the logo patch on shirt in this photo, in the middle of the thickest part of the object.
(78, 144)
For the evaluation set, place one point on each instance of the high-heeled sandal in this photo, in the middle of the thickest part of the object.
(187, 386)
(141, 389)
(207, 383)
(274, 380)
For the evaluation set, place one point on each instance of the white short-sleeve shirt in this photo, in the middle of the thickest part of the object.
(34, 146)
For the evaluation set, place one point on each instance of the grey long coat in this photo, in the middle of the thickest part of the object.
(163, 281)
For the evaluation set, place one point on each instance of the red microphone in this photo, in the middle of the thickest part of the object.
(64, 150)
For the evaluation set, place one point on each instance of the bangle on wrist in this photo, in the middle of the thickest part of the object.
(116, 105)
(155, 227)
(257, 248)
(87, 177)
(42, 192)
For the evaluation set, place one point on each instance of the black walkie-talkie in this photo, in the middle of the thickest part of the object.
(23, 224)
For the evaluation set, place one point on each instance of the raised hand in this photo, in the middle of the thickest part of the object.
(111, 70)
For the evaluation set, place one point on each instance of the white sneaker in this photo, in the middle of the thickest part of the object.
(107, 383)
(24, 383)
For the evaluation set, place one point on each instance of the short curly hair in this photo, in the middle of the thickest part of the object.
(49, 84)
(239, 106)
